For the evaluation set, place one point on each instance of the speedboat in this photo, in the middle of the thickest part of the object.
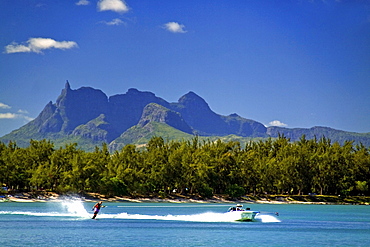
(243, 214)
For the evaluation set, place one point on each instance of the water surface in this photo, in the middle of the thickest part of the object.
(69, 223)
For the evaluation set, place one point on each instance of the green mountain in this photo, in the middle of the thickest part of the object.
(89, 118)
(334, 135)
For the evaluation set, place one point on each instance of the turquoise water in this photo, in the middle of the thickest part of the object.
(68, 223)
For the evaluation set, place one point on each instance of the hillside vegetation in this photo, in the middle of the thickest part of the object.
(191, 167)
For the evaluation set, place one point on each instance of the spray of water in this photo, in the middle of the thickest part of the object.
(64, 208)
(203, 217)
(75, 208)
(265, 218)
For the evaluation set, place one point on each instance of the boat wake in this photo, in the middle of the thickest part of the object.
(76, 210)
(203, 217)
(265, 218)
(67, 208)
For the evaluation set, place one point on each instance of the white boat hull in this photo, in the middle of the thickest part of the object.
(244, 215)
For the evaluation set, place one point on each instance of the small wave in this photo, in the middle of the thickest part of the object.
(203, 217)
(50, 214)
(265, 218)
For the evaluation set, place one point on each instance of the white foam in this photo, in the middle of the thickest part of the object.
(66, 208)
(265, 218)
(75, 208)
(203, 217)
(37, 213)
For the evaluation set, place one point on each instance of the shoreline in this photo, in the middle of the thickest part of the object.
(272, 199)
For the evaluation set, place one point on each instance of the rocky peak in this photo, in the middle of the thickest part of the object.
(234, 115)
(67, 87)
(81, 105)
(192, 100)
(157, 113)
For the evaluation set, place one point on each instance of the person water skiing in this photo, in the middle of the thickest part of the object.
(96, 208)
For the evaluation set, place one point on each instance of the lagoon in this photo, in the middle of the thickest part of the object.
(68, 223)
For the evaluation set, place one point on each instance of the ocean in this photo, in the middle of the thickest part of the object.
(69, 223)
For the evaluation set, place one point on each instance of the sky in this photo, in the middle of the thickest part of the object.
(289, 63)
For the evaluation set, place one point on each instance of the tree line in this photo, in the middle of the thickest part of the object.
(193, 167)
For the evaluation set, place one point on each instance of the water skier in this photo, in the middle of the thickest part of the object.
(96, 208)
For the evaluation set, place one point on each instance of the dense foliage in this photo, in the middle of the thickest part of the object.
(273, 166)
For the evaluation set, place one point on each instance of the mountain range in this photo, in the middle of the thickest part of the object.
(89, 118)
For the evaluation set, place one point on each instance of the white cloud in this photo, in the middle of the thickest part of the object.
(4, 106)
(277, 123)
(22, 111)
(114, 22)
(83, 2)
(9, 115)
(19, 115)
(28, 118)
(113, 5)
(38, 44)
(174, 27)
(40, 5)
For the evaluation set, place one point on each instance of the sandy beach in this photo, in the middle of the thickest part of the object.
(49, 196)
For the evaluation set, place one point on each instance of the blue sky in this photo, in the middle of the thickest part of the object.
(292, 63)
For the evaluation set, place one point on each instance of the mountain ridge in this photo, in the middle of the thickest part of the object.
(89, 116)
